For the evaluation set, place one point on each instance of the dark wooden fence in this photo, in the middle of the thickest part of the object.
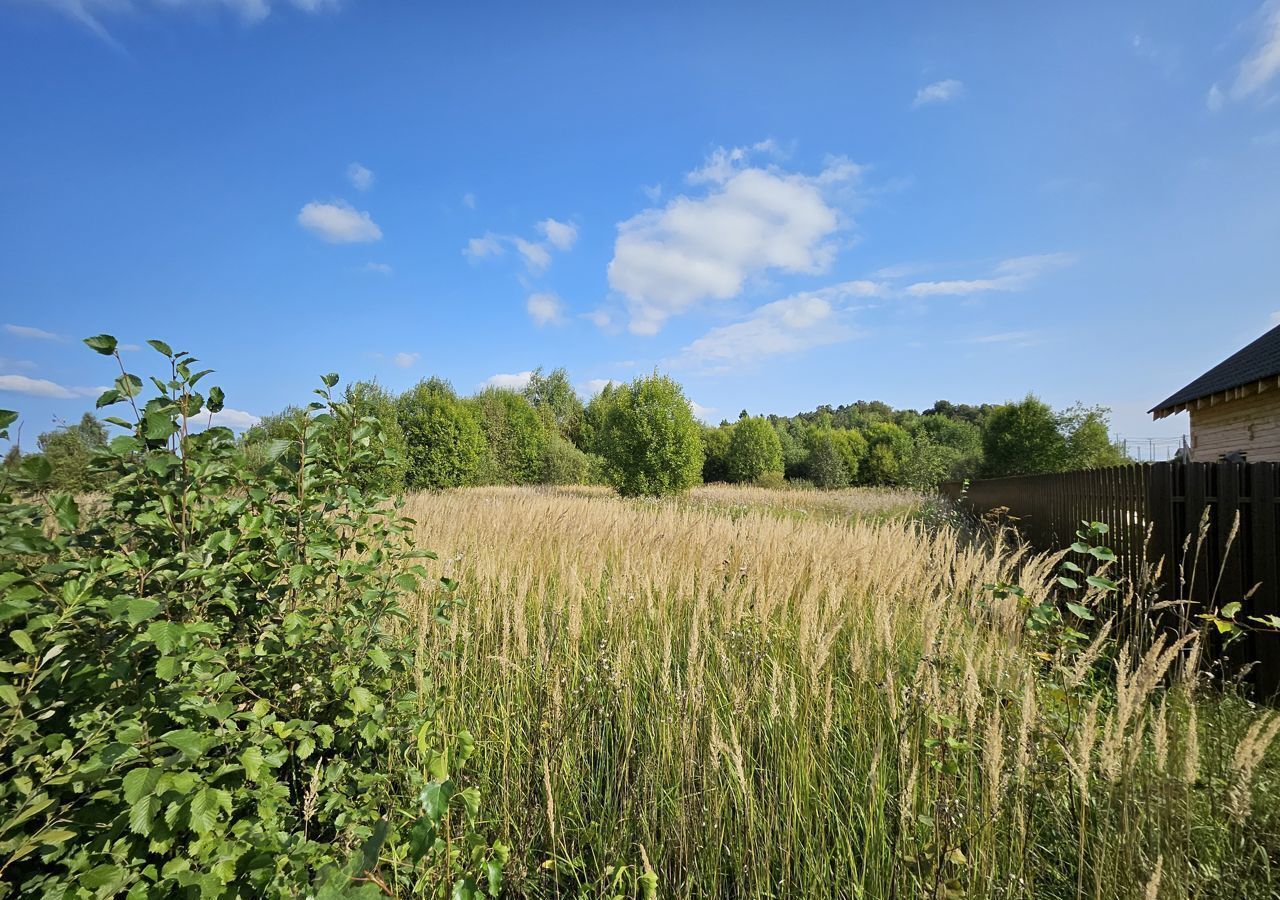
(1215, 527)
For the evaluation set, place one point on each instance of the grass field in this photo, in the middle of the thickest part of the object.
(822, 703)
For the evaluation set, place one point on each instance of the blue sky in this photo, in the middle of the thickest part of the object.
(780, 205)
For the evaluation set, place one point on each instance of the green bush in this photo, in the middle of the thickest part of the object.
(385, 472)
(563, 463)
(515, 437)
(852, 447)
(715, 450)
(69, 452)
(888, 449)
(443, 441)
(650, 440)
(205, 679)
(826, 466)
(557, 402)
(754, 450)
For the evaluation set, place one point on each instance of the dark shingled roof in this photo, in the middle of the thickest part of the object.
(1258, 361)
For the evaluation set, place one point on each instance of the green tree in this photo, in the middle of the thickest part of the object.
(715, 451)
(754, 450)
(958, 444)
(515, 437)
(888, 448)
(563, 463)
(650, 440)
(384, 469)
(70, 450)
(826, 466)
(443, 441)
(1023, 438)
(794, 452)
(1088, 440)
(852, 447)
(556, 401)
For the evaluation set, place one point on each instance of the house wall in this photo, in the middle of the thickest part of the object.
(1250, 424)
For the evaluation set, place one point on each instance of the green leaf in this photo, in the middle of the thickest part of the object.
(159, 426)
(165, 634)
(1102, 584)
(161, 347)
(23, 640)
(1082, 612)
(203, 813)
(252, 761)
(103, 343)
(493, 873)
(129, 385)
(7, 418)
(216, 400)
(185, 740)
(142, 814)
(1070, 566)
(108, 397)
(1068, 582)
(463, 889)
(1229, 611)
(330, 380)
(9, 694)
(139, 783)
(141, 608)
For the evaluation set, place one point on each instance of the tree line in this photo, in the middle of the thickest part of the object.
(643, 438)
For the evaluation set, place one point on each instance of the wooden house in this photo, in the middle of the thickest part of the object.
(1235, 406)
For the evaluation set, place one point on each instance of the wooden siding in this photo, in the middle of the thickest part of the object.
(1250, 425)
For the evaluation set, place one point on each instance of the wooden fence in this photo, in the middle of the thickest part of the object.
(1214, 526)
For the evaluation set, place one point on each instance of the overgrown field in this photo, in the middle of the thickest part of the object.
(758, 705)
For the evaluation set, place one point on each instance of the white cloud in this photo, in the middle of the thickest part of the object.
(1009, 275)
(600, 317)
(652, 191)
(405, 360)
(27, 331)
(560, 235)
(939, 92)
(482, 247)
(703, 413)
(1020, 338)
(90, 13)
(339, 223)
(596, 385)
(751, 219)
(536, 256)
(516, 381)
(380, 268)
(236, 419)
(35, 387)
(1215, 99)
(469, 201)
(360, 177)
(556, 235)
(783, 327)
(1260, 67)
(545, 309)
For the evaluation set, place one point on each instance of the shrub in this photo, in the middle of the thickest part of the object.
(556, 401)
(852, 447)
(204, 678)
(563, 463)
(888, 448)
(650, 440)
(385, 472)
(772, 480)
(826, 466)
(69, 451)
(514, 437)
(715, 452)
(443, 441)
(754, 450)
(1023, 439)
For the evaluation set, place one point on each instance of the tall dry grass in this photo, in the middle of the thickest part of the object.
(755, 705)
